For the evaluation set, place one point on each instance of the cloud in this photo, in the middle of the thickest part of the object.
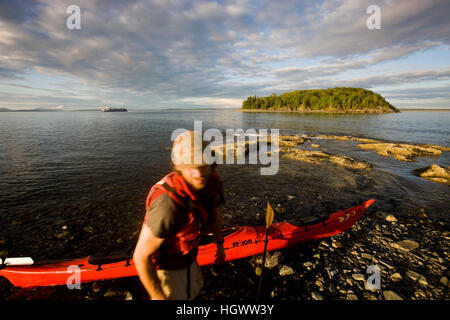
(213, 52)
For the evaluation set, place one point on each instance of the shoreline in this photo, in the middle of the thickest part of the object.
(406, 241)
(401, 236)
(410, 250)
(329, 111)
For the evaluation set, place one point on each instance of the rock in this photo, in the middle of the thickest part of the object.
(272, 260)
(434, 173)
(396, 277)
(63, 234)
(352, 296)
(286, 271)
(317, 157)
(113, 294)
(324, 244)
(366, 256)
(346, 138)
(391, 218)
(316, 296)
(402, 152)
(332, 288)
(445, 281)
(358, 277)
(290, 141)
(308, 264)
(336, 244)
(128, 296)
(319, 283)
(417, 277)
(330, 272)
(391, 295)
(387, 264)
(372, 297)
(405, 245)
(419, 294)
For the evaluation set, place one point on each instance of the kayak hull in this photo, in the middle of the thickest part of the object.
(241, 242)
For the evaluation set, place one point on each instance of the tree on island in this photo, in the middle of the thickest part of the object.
(333, 100)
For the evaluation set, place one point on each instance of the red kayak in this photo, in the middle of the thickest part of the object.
(239, 242)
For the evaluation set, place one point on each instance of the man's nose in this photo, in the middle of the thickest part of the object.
(196, 173)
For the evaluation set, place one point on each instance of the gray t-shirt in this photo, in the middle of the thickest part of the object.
(165, 217)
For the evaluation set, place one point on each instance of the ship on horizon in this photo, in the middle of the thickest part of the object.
(111, 109)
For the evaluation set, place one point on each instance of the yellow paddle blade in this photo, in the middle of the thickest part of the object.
(269, 215)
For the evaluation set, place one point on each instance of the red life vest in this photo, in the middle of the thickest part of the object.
(182, 247)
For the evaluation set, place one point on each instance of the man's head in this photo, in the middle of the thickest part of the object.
(187, 158)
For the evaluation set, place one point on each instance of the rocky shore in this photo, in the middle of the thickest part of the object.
(410, 252)
(402, 238)
(434, 173)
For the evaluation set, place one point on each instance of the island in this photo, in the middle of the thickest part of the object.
(333, 100)
(111, 109)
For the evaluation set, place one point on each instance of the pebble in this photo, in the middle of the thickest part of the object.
(396, 277)
(445, 281)
(336, 244)
(405, 245)
(366, 256)
(352, 296)
(128, 296)
(387, 264)
(286, 271)
(419, 294)
(272, 260)
(417, 277)
(391, 295)
(391, 218)
(316, 296)
(331, 272)
(332, 288)
(358, 277)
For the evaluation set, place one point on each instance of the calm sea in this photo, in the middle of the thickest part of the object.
(91, 171)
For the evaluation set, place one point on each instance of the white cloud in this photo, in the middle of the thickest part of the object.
(212, 102)
(170, 50)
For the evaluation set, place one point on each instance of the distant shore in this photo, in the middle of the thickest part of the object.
(336, 111)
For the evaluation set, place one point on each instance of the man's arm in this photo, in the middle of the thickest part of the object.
(148, 244)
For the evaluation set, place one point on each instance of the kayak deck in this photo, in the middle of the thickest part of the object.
(239, 242)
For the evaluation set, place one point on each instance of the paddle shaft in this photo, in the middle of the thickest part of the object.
(263, 262)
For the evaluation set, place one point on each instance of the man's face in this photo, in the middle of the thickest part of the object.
(197, 177)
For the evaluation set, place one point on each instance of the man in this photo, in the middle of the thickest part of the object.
(180, 208)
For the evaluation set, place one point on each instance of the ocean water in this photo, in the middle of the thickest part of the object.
(88, 172)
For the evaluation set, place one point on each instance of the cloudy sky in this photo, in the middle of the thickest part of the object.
(175, 53)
